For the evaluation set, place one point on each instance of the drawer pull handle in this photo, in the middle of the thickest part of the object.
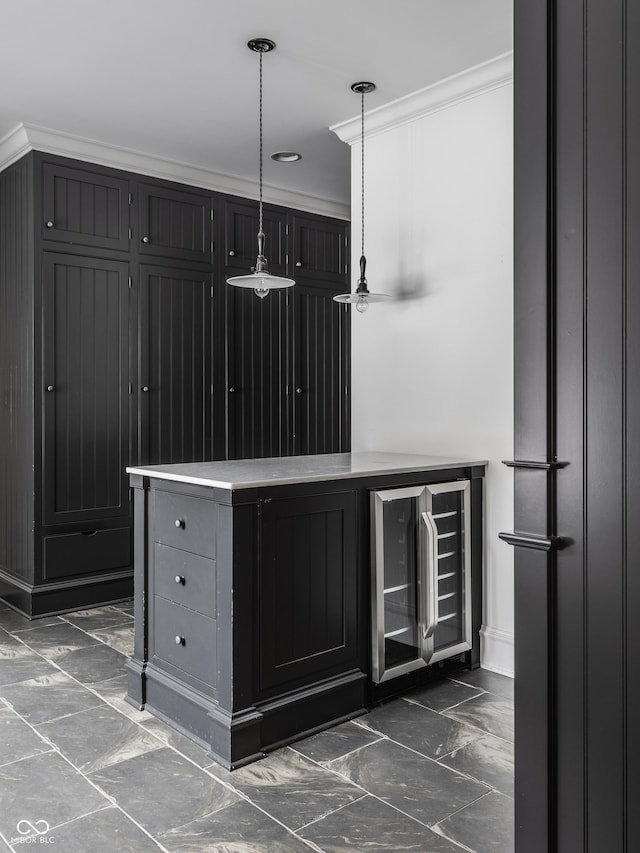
(180, 524)
(179, 640)
(180, 579)
(49, 224)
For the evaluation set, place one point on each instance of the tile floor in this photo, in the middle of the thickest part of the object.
(80, 768)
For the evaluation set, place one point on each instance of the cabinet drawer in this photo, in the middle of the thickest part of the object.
(185, 522)
(185, 578)
(185, 639)
(86, 553)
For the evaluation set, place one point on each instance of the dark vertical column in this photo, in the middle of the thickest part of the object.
(534, 426)
(136, 666)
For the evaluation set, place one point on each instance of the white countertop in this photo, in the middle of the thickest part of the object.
(253, 473)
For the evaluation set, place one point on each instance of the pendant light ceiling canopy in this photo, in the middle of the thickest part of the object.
(260, 279)
(362, 296)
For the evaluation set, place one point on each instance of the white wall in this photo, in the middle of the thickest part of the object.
(432, 371)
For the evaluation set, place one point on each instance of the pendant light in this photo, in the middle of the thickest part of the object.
(362, 296)
(260, 279)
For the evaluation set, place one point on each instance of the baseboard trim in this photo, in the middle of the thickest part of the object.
(497, 650)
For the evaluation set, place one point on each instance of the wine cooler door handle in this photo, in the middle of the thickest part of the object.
(430, 582)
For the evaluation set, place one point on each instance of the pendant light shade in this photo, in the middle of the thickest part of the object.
(362, 297)
(260, 279)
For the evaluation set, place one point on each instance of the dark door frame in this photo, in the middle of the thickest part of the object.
(577, 425)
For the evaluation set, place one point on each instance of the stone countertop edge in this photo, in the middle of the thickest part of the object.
(285, 470)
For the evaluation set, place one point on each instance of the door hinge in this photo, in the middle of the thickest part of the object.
(286, 229)
(129, 282)
(212, 389)
(212, 291)
(129, 198)
(346, 390)
(130, 388)
(129, 232)
(211, 214)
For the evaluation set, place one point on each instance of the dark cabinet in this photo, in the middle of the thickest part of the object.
(85, 388)
(308, 613)
(321, 337)
(175, 223)
(181, 379)
(113, 296)
(241, 221)
(320, 250)
(84, 207)
(258, 392)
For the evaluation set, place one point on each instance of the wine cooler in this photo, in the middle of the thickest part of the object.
(421, 583)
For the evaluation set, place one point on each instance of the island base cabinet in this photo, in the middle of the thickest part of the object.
(253, 615)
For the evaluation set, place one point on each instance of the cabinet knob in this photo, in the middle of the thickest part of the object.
(180, 524)
(49, 224)
(49, 387)
(231, 390)
(145, 388)
(180, 579)
(298, 263)
(232, 254)
(145, 239)
(298, 390)
(179, 640)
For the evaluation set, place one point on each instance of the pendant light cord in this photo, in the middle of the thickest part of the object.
(362, 164)
(260, 110)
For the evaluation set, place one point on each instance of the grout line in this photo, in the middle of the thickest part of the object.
(7, 843)
(335, 811)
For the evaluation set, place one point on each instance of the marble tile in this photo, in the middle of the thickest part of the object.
(104, 831)
(98, 737)
(418, 728)
(488, 759)
(485, 826)
(238, 828)
(44, 788)
(17, 739)
(98, 618)
(93, 663)
(493, 682)
(416, 785)
(335, 742)
(170, 737)
(118, 637)
(113, 691)
(442, 695)
(48, 697)
(54, 641)
(19, 662)
(13, 621)
(488, 712)
(161, 790)
(125, 607)
(290, 787)
(369, 824)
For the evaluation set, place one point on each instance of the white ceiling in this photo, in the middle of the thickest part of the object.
(174, 78)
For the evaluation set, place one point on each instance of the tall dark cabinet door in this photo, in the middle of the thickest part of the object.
(321, 396)
(85, 208)
(258, 393)
(175, 223)
(85, 388)
(181, 367)
(320, 250)
(241, 237)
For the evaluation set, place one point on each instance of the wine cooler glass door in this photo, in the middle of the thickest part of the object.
(398, 552)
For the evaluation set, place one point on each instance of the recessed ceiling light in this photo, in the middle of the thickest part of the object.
(286, 156)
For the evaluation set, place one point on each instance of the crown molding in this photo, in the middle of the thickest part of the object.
(27, 137)
(445, 93)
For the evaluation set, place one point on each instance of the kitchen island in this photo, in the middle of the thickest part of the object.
(253, 590)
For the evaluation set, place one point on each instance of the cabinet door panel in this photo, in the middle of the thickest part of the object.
(241, 237)
(86, 346)
(84, 207)
(320, 250)
(180, 363)
(259, 411)
(175, 223)
(308, 589)
(322, 331)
